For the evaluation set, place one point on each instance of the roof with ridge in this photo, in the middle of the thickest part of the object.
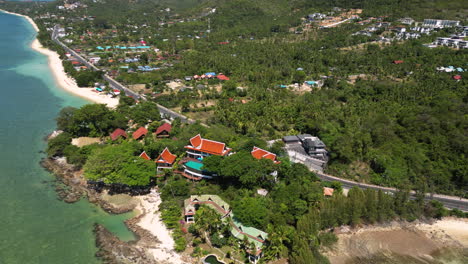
(208, 146)
(166, 157)
(139, 133)
(164, 127)
(259, 153)
(118, 133)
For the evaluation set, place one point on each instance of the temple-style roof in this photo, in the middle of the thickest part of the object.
(164, 127)
(139, 133)
(166, 157)
(208, 146)
(259, 153)
(145, 156)
(118, 133)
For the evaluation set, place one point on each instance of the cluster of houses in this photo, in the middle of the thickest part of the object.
(71, 6)
(253, 235)
(457, 40)
(199, 148)
(208, 76)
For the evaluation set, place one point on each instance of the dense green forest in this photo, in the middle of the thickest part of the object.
(297, 216)
(397, 125)
(402, 125)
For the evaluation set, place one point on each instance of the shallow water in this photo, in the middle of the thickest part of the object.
(35, 227)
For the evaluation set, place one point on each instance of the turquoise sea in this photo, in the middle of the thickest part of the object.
(35, 227)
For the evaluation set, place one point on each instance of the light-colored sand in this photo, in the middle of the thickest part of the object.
(85, 141)
(406, 239)
(163, 251)
(448, 229)
(61, 78)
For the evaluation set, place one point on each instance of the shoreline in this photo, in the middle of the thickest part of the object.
(153, 240)
(60, 76)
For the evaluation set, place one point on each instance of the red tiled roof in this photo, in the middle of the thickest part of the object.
(457, 77)
(328, 191)
(259, 153)
(165, 127)
(208, 146)
(145, 156)
(118, 133)
(166, 157)
(398, 62)
(139, 133)
(222, 77)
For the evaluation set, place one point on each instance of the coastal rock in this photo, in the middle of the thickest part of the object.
(76, 186)
(114, 251)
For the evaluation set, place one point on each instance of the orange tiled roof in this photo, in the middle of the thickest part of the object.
(259, 153)
(208, 146)
(166, 157)
(145, 156)
(328, 191)
(196, 141)
(139, 133)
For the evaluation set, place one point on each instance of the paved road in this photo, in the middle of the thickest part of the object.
(165, 112)
(451, 202)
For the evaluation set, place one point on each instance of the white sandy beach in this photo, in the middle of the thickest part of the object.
(151, 221)
(62, 79)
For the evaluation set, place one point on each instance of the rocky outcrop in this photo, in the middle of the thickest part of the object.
(74, 186)
(114, 251)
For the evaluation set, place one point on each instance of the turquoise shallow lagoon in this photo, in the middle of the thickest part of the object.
(35, 227)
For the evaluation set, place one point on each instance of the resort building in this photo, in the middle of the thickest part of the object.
(118, 133)
(163, 131)
(165, 160)
(438, 23)
(239, 231)
(259, 153)
(200, 148)
(139, 133)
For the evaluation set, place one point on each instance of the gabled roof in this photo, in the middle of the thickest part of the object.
(166, 157)
(328, 191)
(164, 127)
(118, 133)
(259, 153)
(139, 133)
(208, 146)
(145, 156)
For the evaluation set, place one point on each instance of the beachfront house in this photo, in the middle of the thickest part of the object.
(200, 148)
(259, 153)
(165, 160)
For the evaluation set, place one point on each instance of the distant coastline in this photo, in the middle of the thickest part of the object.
(62, 79)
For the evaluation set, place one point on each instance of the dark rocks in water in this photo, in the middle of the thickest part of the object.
(114, 251)
(117, 188)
